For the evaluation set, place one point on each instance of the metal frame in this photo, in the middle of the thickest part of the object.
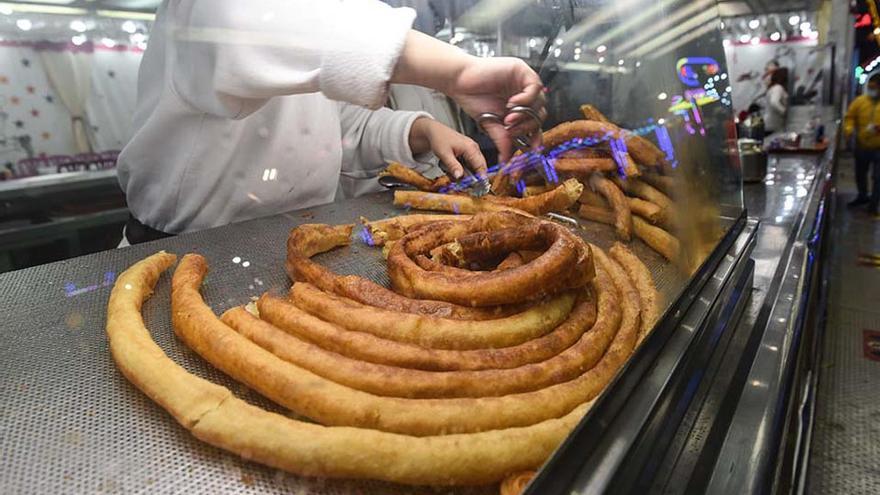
(595, 454)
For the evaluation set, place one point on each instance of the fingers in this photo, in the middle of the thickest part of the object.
(450, 164)
(532, 95)
(502, 139)
(474, 159)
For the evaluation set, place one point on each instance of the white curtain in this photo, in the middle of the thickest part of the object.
(70, 75)
(112, 101)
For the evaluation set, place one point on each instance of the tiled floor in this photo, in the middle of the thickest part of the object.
(845, 453)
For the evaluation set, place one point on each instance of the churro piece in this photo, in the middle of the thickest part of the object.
(415, 179)
(592, 113)
(614, 196)
(367, 347)
(649, 298)
(431, 332)
(658, 239)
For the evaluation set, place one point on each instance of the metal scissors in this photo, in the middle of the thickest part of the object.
(522, 142)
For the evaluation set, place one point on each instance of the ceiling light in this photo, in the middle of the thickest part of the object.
(24, 24)
(557, 52)
(577, 56)
(814, 35)
(794, 20)
(78, 39)
(754, 23)
(5, 10)
(662, 96)
(126, 14)
(533, 42)
(601, 48)
(108, 42)
(755, 40)
(78, 25)
(558, 41)
(877, 31)
(638, 63)
(601, 59)
(805, 26)
(744, 38)
(661, 121)
(775, 36)
(138, 38)
(129, 27)
(722, 25)
(620, 62)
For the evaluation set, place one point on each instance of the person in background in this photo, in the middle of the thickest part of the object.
(776, 103)
(863, 120)
(247, 109)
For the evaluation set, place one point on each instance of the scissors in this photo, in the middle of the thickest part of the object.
(522, 142)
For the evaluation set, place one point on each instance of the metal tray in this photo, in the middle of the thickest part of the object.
(71, 423)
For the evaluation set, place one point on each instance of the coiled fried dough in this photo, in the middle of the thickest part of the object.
(308, 240)
(649, 298)
(367, 347)
(332, 404)
(217, 417)
(565, 264)
(404, 382)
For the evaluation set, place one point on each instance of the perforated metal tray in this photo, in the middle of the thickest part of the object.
(71, 423)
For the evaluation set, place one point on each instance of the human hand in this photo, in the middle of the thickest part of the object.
(496, 85)
(452, 148)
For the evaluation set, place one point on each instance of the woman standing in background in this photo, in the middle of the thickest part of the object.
(776, 104)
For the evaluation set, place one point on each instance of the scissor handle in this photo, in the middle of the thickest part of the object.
(522, 142)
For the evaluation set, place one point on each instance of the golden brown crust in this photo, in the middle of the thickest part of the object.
(592, 113)
(614, 196)
(430, 332)
(565, 264)
(415, 179)
(403, 382)
(516, 483)
(215, 416)
(664, 183)
(332, 404)
(367, 347)
(583, 167)
(649, 298)
(596, 214)
(558, 199)
(310, 239)
(658, 239)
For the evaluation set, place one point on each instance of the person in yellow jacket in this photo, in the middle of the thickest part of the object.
(863, 120)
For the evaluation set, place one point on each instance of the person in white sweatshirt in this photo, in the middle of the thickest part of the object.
(776, 108)
(247, 109)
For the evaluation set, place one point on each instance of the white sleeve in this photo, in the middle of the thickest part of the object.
(229, 57)
(370, 138)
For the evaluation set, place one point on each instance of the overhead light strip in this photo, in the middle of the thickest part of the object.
(708, 16)
(666, 23)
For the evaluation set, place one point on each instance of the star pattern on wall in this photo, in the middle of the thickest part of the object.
(15, 100)
(26, 62)
(50, 99)
(46, 135)
(31, 89)
(19, 124)
(35, 112)
(4, 80)
(111, 74)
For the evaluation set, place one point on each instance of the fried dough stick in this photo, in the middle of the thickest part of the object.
(640, 276)
(214, 415)
(638, 206)
(623, 222)
(367, 347)
(558, 199)
(413, 178)
(656, 238)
